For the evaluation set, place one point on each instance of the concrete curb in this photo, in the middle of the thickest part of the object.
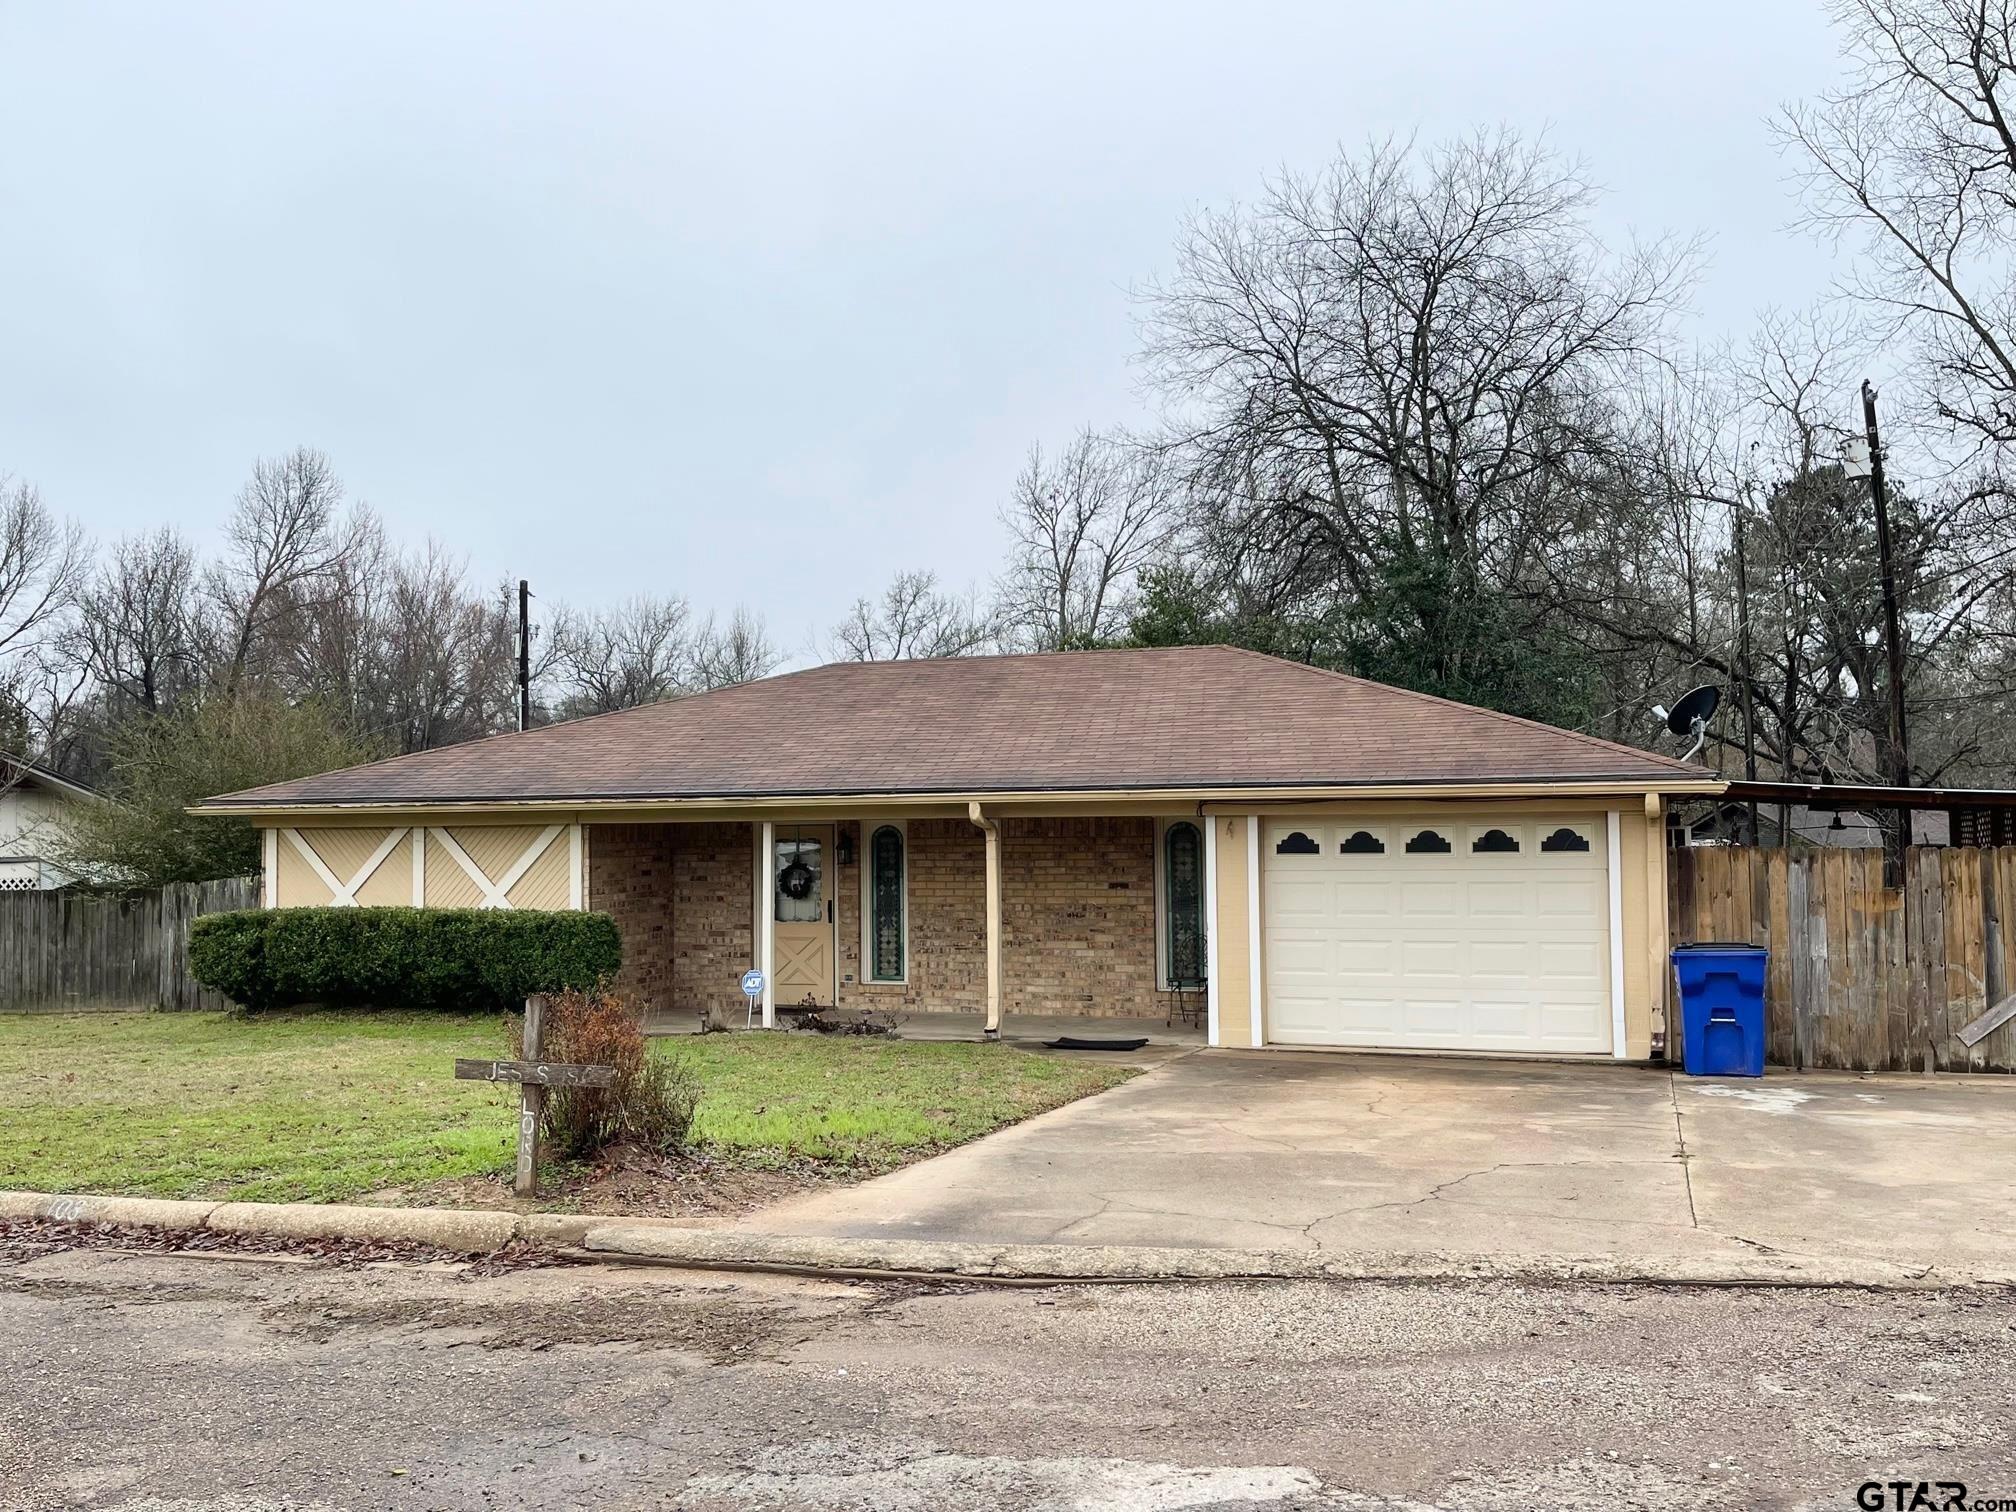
(665, 1241)
(467, 1232)
(715, 1249)
(464, 1230)
(139, 1212)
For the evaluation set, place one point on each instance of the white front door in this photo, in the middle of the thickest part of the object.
(1435, 933)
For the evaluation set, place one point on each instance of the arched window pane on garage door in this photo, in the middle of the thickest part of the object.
(1183, 898)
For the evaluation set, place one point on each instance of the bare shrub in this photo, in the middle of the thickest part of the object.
(650, 1104)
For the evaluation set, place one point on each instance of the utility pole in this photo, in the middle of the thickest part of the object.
(1743, 665)
(524, 654)
(1900, 752)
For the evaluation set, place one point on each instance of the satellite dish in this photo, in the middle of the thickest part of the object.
(1701, 704)
(1690, 716)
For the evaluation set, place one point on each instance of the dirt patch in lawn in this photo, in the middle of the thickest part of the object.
(628, 1183)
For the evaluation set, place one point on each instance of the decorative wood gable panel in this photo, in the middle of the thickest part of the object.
(474, 866)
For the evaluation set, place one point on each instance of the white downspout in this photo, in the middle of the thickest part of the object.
(993, 833)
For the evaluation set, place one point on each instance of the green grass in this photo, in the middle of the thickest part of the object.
(770, 1098)
(324, 1107)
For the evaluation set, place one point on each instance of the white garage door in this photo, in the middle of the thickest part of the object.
(1435, 934)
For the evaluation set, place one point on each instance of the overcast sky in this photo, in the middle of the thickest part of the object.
(749, 303)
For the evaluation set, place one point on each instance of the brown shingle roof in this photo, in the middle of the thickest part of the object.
(1191, 717)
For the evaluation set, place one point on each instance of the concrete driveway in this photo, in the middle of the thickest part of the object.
(1230, 1149)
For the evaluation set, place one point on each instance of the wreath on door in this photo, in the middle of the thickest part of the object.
(796, 880)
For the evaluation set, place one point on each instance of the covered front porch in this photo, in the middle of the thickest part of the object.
(962, 926)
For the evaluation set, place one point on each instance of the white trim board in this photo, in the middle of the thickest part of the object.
(1211, 974)
(1614, 832)
(1254, 979)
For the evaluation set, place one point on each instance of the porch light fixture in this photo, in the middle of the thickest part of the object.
(843, 848)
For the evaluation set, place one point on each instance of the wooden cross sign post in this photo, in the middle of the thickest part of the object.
(533, 1077)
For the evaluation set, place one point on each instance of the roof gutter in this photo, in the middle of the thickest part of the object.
(1707, 785)
(1826, 795)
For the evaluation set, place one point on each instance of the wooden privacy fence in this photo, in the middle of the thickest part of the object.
(65, 951)
(1864, 977)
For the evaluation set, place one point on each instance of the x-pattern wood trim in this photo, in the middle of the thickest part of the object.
(344, 894)
(498, 894)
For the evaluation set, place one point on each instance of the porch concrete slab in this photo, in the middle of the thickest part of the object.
(1355, 1154)
(1016, 1028)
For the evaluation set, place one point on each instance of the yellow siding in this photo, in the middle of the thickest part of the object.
(448, 886)
(1234, 939)
(391, 885)
(296, 884)
(496, 849)
(545, 885)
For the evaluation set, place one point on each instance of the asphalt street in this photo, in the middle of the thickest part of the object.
(151, 1382)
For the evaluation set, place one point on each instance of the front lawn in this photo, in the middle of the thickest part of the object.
(329, 1106)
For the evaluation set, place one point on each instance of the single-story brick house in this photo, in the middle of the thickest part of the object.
(1327, 861)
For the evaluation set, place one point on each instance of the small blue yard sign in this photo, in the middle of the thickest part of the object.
(752, 989)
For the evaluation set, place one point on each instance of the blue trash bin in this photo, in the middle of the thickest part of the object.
(1721, 1008)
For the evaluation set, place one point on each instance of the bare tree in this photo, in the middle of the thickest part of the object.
(637, 653)
(1083, 524)
(914, 618)
(449, 654)
(1398, 383)
(44, 562)
(739, 651)
(285, 540)
(1916, 159)
(134, 633)
(330, 635)
(1409, 353)
(1754, 436)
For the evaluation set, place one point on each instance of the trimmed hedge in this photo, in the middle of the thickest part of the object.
(447, 958)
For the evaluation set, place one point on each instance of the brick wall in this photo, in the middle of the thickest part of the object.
(680, 895)
(630, 879)
(947, 965)
(712, 915)
(1077, 913)
(1077, 916)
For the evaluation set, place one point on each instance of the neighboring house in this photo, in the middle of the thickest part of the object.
(1341, 863)
(1835, 829)
(32, 804)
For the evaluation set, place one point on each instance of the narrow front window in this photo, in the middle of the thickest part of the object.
(1183, 897)
(885, 905)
